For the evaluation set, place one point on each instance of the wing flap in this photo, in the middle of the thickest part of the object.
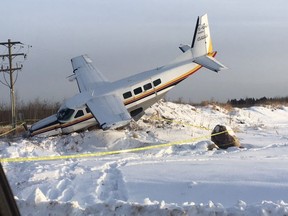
(109, 111)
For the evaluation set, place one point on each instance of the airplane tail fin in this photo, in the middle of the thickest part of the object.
(201, 48)
(202, 43)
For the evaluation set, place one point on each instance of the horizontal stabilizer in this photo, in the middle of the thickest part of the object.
(184, 48)
(210, 63)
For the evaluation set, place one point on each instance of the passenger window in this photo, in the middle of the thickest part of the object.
(147, 86)
(137, 90)
(127, 95)
(79, 114)
(157, 82)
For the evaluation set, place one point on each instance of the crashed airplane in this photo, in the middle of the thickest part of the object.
(112, 105)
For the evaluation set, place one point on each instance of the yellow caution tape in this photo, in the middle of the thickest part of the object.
(98, 154)
(11, 130)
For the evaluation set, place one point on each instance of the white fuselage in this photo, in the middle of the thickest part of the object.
(138, 92)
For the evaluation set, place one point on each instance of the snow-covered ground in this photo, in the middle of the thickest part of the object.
(183, 178)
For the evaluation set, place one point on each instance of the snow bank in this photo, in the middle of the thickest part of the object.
(184, 179)
(266, 208)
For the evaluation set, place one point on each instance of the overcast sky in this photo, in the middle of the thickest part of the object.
(127, 37)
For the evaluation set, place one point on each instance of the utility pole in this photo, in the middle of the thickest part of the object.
(11, 69)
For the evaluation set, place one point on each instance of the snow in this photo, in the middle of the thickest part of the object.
(183, 178)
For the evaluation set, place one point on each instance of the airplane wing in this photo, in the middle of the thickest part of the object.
(86, 75)
(109, 111)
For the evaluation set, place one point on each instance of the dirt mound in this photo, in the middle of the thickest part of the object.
(224, 137)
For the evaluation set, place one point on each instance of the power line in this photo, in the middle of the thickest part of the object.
(10, 70)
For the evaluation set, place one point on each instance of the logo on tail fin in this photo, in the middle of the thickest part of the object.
(202, 43)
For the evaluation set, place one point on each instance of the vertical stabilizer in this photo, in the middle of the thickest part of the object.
(202, 49)
(202, 43)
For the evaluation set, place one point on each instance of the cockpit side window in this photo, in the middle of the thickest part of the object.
(79, 114)
(65, 114)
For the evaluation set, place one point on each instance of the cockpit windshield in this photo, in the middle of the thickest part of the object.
(65, 114)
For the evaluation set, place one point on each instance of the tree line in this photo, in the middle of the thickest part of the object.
(248, 102)
(29, 112)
